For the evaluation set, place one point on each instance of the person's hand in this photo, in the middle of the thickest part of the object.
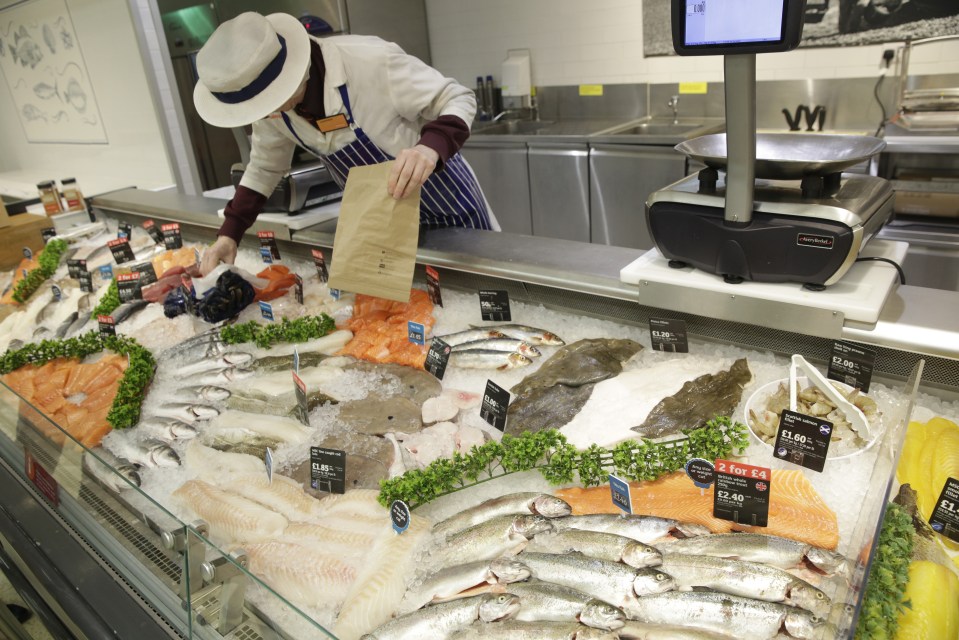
(223, 250)
(411, 170)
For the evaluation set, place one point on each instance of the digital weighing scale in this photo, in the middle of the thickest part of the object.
(773, 207)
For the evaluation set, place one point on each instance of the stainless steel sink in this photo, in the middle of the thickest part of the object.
(659, 127)
(513, 127)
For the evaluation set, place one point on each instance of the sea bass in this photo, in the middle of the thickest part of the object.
(167, 429)
(207, 392)
(539, 504)
(598, 544)
(114, 472)
(545, 601)
(441, 620)
(228, 359)
(147, 454)
(646, 529)
(187, 412)
(449, 583)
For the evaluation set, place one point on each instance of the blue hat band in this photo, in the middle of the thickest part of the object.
(262, 81)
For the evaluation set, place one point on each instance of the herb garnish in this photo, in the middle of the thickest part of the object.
(109, 301)
(49, 259)
(266, 335)
(888, 577)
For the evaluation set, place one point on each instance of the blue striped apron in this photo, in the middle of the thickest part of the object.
(448, 198)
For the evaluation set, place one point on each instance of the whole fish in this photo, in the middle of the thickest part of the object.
(218, 377)
(722, 613)
(746, 579)
(83, 318)
(515, 630)
(198, 344)
(127, 310)
(147, 454)
(647, 529)
(450, 582)
(597, 544)
(167, 429)
(228, 359)
(503, 535)
(508, 345)
(488, 359)
(207, 392)
(612, 582)
(531, 335)
(110, 470)
(188, 412)
(66, 324)
(538, 504)
(759, 547)
(441, 620)
(641, 631)
(545, 601)
(470, 335)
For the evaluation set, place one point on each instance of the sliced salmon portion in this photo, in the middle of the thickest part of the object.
(380, 329)
(796, 510)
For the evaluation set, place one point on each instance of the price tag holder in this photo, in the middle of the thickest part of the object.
(415, 332)
(268, 249)
(437, 358)
(669, 334)
(154, 231)
(433, 286)
(76, 267)
(803, 440)
(296, 360)
(619, 492)
(320, 263)
(107, 326)
(106, 272)
(128, 287)
(121, 250)
(125, 230)
(495, 405)
(852, 365)
(57, 293)
(86, 282)
(148, 274)
(302, 407)
(266, 310)
(45, 483)
(400, 516)
(172, 239)
(298, 288)
(27, 253)
(945, 517)
(328, 470)
(741, 493)
(494, 305)
(48, 234)
(702, 472)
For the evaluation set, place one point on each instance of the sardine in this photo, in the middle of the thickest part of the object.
(488, 359)
(222, 376)
(508, 345)
(207, 392)
(597, 544)
(531, 335)
(228, 359)
(722, 613)
(545, 601)
(188, 412)
(110, 470)
(647, 529)
(539, 504)
(470, 335)
(448, 583)
(746, 579)
(167, 429)
(515, 630)
(612, 582)
(503, 535)
(440, 620)
(147, 454)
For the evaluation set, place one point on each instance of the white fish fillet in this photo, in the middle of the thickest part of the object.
(317, 534)
(622, 402)
(203, 459)
(232, 518)
(358, 502)
(299, 573)
(237, 426)
(379, 588)
(283, 495)
(328, 344)
(280, 384)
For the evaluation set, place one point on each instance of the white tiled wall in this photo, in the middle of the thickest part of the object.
(601, 42)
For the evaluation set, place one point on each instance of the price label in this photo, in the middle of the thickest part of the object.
(107, 326)
(148, 274)
(741, 493)
(299, 388)
(495, 405)
(400, 516)
(172, 239)
(320, 263)
(437, 358)
(76, 267)
(668, 334)
(48, 234)
(57, 293)
(494, 305)
(619, 492)
(86, 282)
(296, 359)
(701, 472)
(121, 250)
(45, 483)
(803, 440)
(852, 365)
(416, 332)
(328, 470)
(298, 288)
(945, 517)
(124, 230)
(268, 249)
(154, 231)
(433, 286)
(266, 310)
(128, 287)
(106, 272)
(28, 253)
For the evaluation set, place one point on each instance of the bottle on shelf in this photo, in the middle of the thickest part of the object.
(50, 197)
(72, 194)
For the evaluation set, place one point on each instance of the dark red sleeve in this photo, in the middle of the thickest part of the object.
(446, 135)
(241, 213)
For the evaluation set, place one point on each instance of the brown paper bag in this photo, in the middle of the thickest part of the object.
(374, 250)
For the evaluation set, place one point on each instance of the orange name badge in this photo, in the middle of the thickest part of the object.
(333, 123)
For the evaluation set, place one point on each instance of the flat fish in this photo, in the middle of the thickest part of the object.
(300, 573)
(699, 401)
(555, 393)
(232, 518)
(379, 417)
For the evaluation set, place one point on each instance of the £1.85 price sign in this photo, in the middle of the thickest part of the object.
(741, 493)
(945, 516)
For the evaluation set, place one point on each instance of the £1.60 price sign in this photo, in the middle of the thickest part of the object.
(741, 493)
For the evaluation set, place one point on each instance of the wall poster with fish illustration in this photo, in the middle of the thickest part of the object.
(40, 59)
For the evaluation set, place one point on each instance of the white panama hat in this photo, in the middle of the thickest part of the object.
(249, 67)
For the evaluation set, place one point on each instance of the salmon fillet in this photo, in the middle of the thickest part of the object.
(796, 510)
(380, 332)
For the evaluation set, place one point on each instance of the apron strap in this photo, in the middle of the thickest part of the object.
(346, 102)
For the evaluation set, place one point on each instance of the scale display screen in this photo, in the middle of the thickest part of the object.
(716, 27)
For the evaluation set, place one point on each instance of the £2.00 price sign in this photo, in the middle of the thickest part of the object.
(741, 493)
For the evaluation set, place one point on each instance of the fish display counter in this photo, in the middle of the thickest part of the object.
(260, 456)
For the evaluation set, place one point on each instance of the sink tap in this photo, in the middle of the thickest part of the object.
(499, 115)
(673, 103)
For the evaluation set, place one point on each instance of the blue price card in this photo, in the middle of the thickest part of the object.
(400, 516)
(106, 272)
(416, 332)
(619, 491)
(335, 294)
(57, 293)
(266, 310)
(266, 254)
(28, 253)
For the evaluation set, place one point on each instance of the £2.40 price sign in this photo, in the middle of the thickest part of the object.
(741, 493)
